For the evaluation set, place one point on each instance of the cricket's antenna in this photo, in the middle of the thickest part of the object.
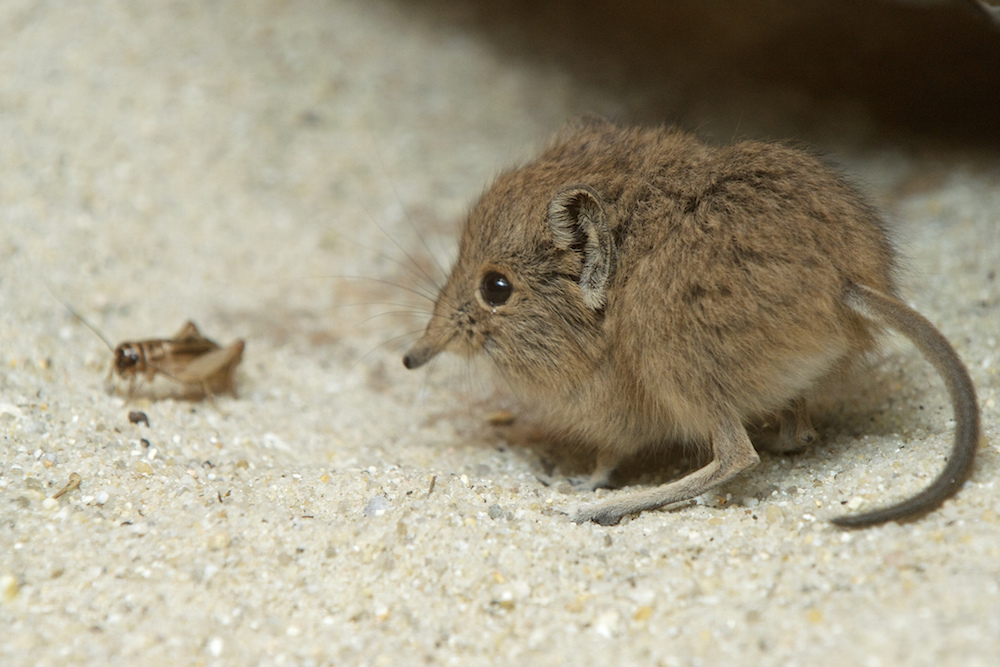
(80, 317)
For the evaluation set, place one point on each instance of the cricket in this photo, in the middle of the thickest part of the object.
(200, 366)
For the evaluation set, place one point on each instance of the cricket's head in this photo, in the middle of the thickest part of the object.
(128, 357)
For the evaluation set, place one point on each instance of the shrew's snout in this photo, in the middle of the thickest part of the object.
(442, 333)
(414, 359)
(424, 349)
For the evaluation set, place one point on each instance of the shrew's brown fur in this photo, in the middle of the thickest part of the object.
(662, 290)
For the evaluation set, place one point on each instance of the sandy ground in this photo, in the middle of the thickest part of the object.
(283, 172)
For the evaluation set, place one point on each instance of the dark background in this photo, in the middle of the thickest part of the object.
(823, 70)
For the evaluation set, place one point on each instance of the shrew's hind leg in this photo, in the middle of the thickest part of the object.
(732, 453)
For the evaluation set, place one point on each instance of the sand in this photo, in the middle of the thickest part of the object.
(292, 174)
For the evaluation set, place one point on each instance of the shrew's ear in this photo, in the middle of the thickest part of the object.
(579, 223)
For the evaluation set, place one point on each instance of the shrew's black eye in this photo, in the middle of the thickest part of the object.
(496, 288)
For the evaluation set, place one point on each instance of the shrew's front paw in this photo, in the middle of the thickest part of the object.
(599, 479)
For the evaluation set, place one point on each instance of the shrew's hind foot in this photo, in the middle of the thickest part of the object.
(732, 453)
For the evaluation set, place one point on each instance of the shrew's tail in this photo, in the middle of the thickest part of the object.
(891, 312)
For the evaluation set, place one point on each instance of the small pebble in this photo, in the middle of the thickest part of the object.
(36, 427)
(220, 540)
(774, 514)
(500, 418)
(215, 646)
(377, 506)
(138, 417)
(606, 624)
(9, 588)
(642, 614)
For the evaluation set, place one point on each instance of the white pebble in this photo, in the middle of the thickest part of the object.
(215, 646)
(377, 506)
(607, 624)
(36, 427)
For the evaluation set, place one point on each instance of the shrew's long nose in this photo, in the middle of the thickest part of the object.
(417, 357)
(424, 349)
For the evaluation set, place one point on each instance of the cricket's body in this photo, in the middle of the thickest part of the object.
(199, 364)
